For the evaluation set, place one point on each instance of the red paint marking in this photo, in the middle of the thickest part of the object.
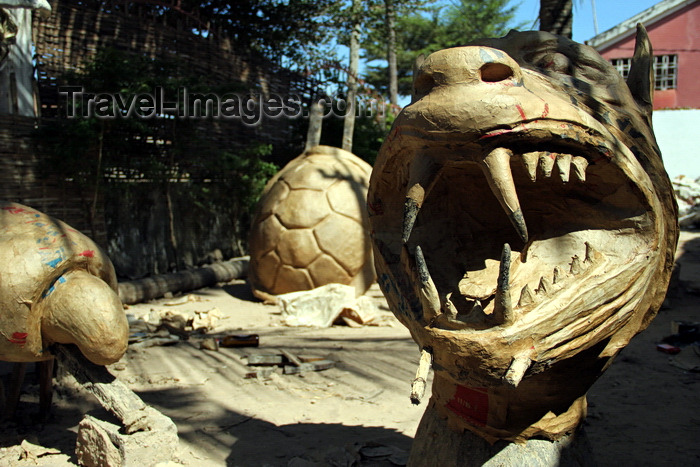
(13, 210)
(520, 109)
(546, 110)
(87, 254)
(495, 133)
(19, 338)
(472, 404)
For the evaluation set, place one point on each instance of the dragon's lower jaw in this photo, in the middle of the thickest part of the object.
(492, 240)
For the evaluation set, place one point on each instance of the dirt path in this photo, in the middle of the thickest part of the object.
(643, 411)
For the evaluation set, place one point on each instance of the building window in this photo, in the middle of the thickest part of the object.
(622, 65)
(665, 70)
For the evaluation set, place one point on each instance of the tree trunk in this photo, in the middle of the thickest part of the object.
(149, 288)
(313, 135)
(391, 52)
(556, 16)
(349, 122)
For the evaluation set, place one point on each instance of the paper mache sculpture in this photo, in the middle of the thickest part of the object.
(56, 286)
(310, 226)
(524, 227)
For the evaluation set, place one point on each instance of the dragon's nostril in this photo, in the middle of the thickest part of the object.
(495, 72)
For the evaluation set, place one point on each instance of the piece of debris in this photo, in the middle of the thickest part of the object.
(145, 433)
(182, 300)
(311, 366)
(668, 348)
(291, 364)
(154, 342)
(687, 193)
(326, 305)
(265, 360)
(240, 340)
(260, 373)
(34, 451)
(209, 343)
(688, 360)
(683, 333)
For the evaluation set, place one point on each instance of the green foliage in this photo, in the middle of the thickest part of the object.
(295, 30)
(423, 28)
(368, 135)
(165, 154)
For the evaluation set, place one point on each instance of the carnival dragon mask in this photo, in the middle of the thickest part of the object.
(523, 225)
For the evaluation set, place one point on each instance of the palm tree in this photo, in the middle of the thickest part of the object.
(556, 16)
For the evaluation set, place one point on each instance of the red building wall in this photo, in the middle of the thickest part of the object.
(678, 33)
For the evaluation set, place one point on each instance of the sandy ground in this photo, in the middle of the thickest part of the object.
(643, 411)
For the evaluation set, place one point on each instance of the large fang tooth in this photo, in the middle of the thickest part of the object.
(547, 163)
(530, 160)
(420, 381)
(410, 211)
(428, 292)
(421, 179)
(564, 166)
(580, 164)
(518, 367)
(526, 297)
(503, 309)
(496, 167)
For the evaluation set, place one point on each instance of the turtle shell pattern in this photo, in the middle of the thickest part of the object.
(310, 228)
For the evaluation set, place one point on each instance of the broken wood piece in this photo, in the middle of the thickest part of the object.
(147, 433)
(265, 359)
(240, 340)
(418, 385)
(311, 366)
(155, 341)
(291, 357)
(310, 358)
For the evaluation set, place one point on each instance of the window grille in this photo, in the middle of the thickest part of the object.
(665, 70)
(622, 65)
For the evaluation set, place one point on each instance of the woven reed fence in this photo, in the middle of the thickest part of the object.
(67, 41)
(72, 36)
(20, 165)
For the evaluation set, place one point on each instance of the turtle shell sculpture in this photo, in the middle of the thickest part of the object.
(523, 225)
(310, 226)
(56, 286)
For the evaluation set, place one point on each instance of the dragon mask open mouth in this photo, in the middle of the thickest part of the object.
(519, 208)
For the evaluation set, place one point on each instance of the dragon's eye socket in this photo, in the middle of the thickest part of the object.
(551, 62)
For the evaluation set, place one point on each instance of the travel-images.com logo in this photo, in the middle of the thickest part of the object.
(249, 108)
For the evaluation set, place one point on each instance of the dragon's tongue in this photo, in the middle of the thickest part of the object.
(496, 168)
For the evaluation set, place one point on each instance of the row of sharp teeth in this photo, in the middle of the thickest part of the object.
(497, 170)
(503, 312)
